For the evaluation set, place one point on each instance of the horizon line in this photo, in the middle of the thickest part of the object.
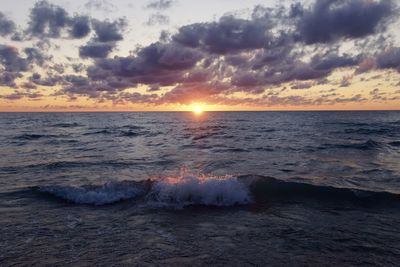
(205, 111)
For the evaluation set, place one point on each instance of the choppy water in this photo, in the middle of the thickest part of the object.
(237, 188)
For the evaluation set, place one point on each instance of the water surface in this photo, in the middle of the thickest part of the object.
(237, 188)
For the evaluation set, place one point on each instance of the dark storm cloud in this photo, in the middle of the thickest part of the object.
(95, 50)
(333, 61)
(8, 78)
(198, 76)
(11, 61)
(229, 34)
(7, 26)
(34, 55)
(47, 20)
(153, 62)
(50, 80)
(13, 64)
(76, 80)
(329, 20)
(109, 31)
(161, 64)
(80, 27)
(292, 71)
(386, 59)
(81, 85)
(246, 79)
(107, 34)
(389, 58)
(78, 67)
(160, 4)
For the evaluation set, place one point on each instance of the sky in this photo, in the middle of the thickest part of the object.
(175, 55)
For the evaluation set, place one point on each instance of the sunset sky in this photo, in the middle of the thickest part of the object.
(155, 55)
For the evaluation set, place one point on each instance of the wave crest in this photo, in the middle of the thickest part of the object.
(188, 190)
(97, 194)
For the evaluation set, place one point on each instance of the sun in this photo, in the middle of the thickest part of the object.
(197, 110)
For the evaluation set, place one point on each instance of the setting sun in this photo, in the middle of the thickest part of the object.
(187, 122)
(198, 110)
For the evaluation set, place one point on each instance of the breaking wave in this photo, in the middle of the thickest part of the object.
(188, 190)
(97, 194)
(199, 190)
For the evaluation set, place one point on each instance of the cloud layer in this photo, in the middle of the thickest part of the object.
(263, 56)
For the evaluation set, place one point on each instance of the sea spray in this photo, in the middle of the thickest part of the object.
(189, 189)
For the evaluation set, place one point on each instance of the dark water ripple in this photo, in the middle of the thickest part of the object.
(322, 144)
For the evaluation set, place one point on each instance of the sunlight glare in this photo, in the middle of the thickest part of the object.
(198, 110)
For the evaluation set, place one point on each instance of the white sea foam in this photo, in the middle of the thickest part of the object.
(187, 190)
(96, 194)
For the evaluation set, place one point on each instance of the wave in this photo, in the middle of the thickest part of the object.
(395, 143)
(129, 133)
(173, 192)
(61, 165)
(369, 131)
(268, 149)
(206, 128)
(264, 189)
(187, 190)
(97, 194)
(368, 145)
(230, 150)
(103, 131)
(220, 191)
(351, 124)
(33, 136)
(124, 131)
(66, 125)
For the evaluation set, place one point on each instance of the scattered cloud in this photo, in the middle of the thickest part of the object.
(329, 20)
(109, 31)
(157, 19)
(95, 50)
(296, 47)
(389, 59)
(102, 5)
(7, 26)
(160, 4)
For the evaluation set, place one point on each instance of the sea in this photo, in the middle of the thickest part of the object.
(212, 189)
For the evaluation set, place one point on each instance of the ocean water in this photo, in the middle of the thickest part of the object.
(220, 188)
